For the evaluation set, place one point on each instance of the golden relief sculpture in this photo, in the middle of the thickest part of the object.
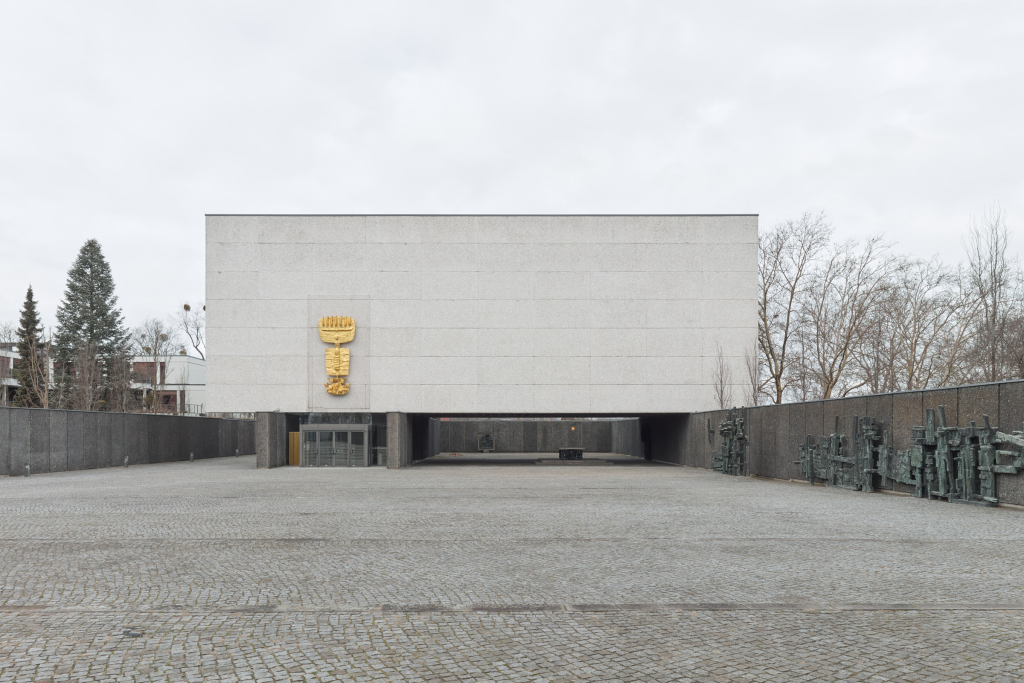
(337, 330)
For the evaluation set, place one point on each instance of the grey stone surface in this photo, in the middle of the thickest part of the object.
(530, 437)
(975, 401)
(814, 419)
(20, 445)
(76, 440)
(1011, 406)
(399, 441)
(280, 434)
(755, 454)
(5, 441)
(161, 426)
(136, 434)
(880, 408)
(616, 573)
(61, 440)
(39, 440)
(786, 466)
(479, 314)
(58, 441)
(551, 436)
(454, 432)
(597, 436)
(624, 436)
(521, 436)
(907, 413)
(1011, 418)
(271, 440)
(104, 438)
(768, 425)
(91, 444)
(941, 397)
(264, 440)
(209, 440)
(247, 437)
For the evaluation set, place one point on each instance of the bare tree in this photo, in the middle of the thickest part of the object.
(753, 366)
(787, 254)
(721, 380)
(8, 333)
(991, 274)
(855, 318)
(919, 330)
(192, 322)
(156, 341)
(836, 310)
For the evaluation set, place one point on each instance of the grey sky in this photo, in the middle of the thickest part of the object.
(128, 121)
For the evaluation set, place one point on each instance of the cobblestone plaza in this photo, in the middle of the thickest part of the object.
(632, 571)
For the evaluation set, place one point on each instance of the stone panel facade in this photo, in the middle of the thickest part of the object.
(497, 315)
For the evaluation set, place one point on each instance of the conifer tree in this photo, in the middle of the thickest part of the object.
(31, 370)
(88, 316)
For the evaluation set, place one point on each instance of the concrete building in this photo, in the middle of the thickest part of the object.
(8, 361)
(177, 382)
(477, 315)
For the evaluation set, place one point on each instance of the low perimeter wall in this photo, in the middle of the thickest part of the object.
(64, 440)
(537, 436)
(524, 436)
(776, 431)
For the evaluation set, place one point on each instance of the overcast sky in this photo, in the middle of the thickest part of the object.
(128, 121)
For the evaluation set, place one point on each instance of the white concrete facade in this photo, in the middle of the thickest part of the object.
(480, 314)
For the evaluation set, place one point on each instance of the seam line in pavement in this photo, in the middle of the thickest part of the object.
(462, 609)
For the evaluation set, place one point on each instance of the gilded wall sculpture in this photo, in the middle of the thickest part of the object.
(337, 330)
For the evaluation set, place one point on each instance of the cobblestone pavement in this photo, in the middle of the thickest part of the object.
(216, 571)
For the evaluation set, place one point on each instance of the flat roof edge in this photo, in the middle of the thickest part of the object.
(492, 215)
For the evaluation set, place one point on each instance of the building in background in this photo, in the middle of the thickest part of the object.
(8, 361)
(176, 383)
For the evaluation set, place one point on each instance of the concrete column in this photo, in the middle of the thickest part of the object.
(271, 440)
(263, 440)
(399, 441)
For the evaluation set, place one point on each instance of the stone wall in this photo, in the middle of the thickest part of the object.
(64, 440)
(626, 438)
(526, 436)
(776, 431)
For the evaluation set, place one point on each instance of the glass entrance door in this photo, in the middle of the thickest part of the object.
(310, 451)
(333, 447)
(340, 449)
(357, 449)
(326, 452)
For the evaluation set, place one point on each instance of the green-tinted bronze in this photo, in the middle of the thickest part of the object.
(731, 458)
(958, 464)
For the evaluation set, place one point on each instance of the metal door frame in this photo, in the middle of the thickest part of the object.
(364, 428)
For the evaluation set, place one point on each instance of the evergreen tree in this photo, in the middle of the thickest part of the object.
(88, 317)
(30, 336)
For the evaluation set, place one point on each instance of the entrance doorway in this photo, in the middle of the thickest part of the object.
(328, 445)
